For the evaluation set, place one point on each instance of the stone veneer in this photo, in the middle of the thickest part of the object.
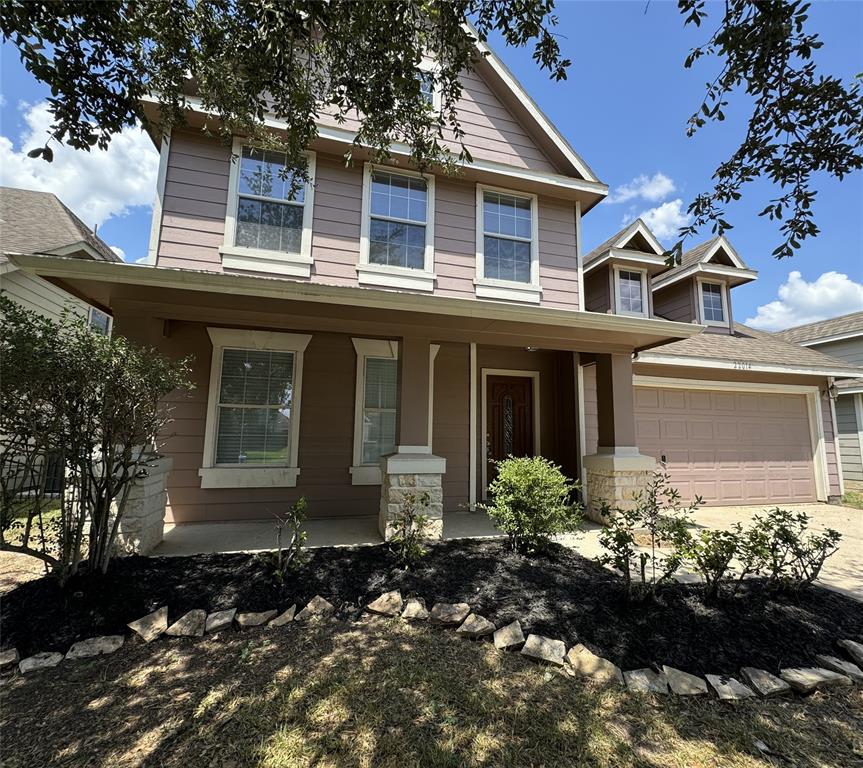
(143, 521)
(411, 473)
(616, 480)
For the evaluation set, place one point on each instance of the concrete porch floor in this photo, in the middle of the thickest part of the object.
(842, 572)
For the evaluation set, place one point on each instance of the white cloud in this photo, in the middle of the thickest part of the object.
(2, 100)
(664, 220)
(831, 295)
(119, 251)
(96, 185)
(652, 188)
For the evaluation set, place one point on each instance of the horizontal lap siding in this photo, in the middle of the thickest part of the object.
(675, 302)
(849, 350)
(39, 295)
(849, 441)
(558, 265)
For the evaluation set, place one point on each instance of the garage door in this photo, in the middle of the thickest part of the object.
(729, 447)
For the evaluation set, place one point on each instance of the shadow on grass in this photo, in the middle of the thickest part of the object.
(384, 694)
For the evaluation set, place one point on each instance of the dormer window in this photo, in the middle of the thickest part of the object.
(713, 303)
(630, 292)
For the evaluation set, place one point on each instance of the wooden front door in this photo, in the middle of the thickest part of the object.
(509, 419)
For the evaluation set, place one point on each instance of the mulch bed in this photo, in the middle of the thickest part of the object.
(560, 594)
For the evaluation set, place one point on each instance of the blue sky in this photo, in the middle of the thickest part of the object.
(623, 109)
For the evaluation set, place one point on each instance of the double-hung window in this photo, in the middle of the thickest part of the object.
(100, 322)
(253, 410)
(397, 248)
(631, 292)
(507, 245)
(713, 303)
(268, 227)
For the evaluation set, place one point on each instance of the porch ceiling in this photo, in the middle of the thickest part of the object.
(229, 299)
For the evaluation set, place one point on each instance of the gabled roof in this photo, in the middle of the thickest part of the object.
(708, 257)
(832, 329)
(762, 351)
(622, 239)
(37, 222)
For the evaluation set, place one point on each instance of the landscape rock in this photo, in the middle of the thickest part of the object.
(388, 604)
(728, 688)
(808, 679)
(449, 614)
(255, 619)
(317, 607)
(415, 610)
(152, 625)
(682, 683)
(854, 650)
(509, 637)
(9, 658)
(40, 661)
(95, 646)
(584, 662)
(646, 681)
(286, 617)
(475, 627)
(189, 625)
(219, 620)
(765, 684)
(841, 666)
(544, 649)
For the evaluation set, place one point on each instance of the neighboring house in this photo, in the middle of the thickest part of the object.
(386, 330)
(841, 337)
(38, 223)
(738, 416)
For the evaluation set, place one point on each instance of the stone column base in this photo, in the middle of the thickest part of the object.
(404, 474)
(143, 521)
(615, 477)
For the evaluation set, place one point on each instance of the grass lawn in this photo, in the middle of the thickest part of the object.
(381, 693)
(853, 499)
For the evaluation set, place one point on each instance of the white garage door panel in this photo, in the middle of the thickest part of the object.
(729, 447)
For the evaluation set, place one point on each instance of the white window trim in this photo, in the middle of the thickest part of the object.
(724, 323)
(258, 259)
(507, 290)
(644, 295)
(382, 274)
(91, 309)
(429, 65)
(251, 476)
(370, 474)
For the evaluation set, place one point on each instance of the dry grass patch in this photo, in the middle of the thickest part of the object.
(383, 694)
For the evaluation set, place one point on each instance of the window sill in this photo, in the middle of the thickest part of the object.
(396, 277)
(365, 475)
(271, 262)
(248, 477)
(506, 290)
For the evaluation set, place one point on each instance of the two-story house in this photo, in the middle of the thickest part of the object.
(842, 338)
(738, 416)
(386, 330)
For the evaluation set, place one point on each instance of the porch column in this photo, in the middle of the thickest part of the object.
(412, 475)
(617, 471)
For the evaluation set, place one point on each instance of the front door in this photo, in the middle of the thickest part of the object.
(509, 415)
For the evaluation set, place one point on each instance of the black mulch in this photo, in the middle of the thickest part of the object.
(560, 595)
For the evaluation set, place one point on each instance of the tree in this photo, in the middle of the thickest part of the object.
(95, 404)
(245, 58)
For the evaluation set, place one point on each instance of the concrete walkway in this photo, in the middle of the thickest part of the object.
(842, 572)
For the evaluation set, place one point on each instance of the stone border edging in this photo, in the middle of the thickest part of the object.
(577, 661)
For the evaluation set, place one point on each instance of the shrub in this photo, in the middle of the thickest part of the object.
(410, 526)
(786, 551)
(531, 501)
(95, 404)
(290, 539)
(660, 513)
(710, 553)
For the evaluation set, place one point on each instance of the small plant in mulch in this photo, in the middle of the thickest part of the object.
(290, 551)
(410, 529)
(659, 515)
(531, 501)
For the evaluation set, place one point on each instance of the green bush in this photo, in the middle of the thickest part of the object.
(531, 501)
(410, 526)
(710, 554)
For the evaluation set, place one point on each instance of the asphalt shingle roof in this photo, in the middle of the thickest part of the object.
(37, 222)
(835, 326)
(752, 346)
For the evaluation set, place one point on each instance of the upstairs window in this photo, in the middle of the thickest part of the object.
(427, 86)
(269, 208)
(397, 230)
(713, 304)
(631, 289)
(507, 237)
(100, 322)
